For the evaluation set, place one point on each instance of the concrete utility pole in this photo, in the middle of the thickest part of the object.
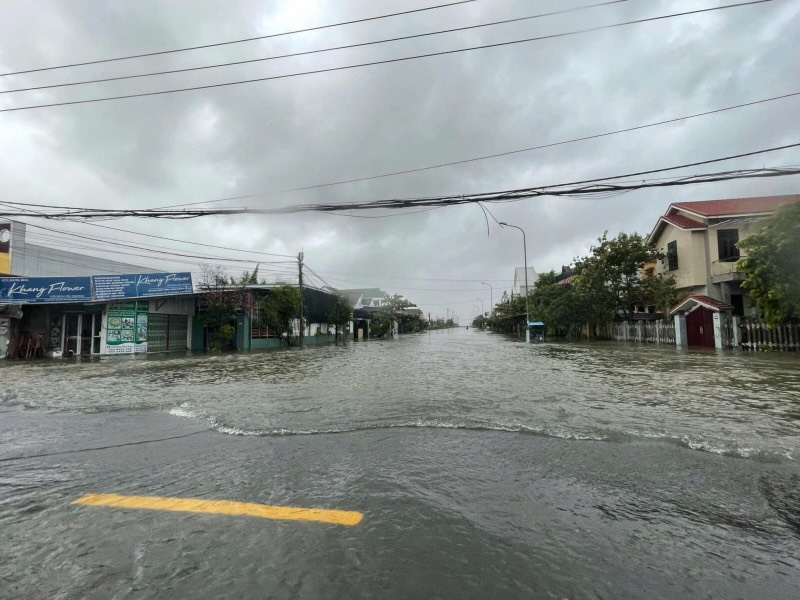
(527, 290)
(300, 279)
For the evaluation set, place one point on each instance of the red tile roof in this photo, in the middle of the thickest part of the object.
(734, 206)
(706, 301)
(683, 222)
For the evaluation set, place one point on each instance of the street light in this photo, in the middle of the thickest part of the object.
(481, 301)
(525, 253)
(491, 295)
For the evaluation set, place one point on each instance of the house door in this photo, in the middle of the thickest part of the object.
(700, 328)
(81, 334)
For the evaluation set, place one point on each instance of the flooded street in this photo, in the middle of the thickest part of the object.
(483, 467)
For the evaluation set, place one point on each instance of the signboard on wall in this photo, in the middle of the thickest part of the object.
(36, 290)
(145, 285)
(126, 327)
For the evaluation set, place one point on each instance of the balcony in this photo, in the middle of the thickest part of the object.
(725, 270)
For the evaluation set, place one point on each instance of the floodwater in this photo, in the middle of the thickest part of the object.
(484, 468)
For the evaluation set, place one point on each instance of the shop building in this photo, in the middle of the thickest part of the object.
(56, 302)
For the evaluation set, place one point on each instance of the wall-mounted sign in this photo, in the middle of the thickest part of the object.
(145, 285)
(126, 327)
(31, 290)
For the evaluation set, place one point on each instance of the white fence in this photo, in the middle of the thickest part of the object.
(747, 334)
(757, 335)
(654, 332)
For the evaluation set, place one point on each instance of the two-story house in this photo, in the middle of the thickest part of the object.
(700, 243)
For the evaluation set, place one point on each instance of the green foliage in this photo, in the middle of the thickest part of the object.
(392, 309)
(411, 323)
(381, 324)
(609, 280)
(247, 278)
(558, 306)
(279, 307)
(480, 322)
(221, 301)
(223, 338)
(341, 314)
(772, 265)
(659, 291)
(396, 302)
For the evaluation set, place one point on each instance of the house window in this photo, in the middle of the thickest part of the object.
(726, 244)
(672, 256)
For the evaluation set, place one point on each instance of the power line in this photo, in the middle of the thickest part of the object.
(126, 268)
(405, 288)
(275, 271)
(240, 41)
(308, 52)
(150, 235)
(430, 278)
(140, 248)
(451, 200)
(169, 258)
(310, 270)
(381, 62)
(499, 154)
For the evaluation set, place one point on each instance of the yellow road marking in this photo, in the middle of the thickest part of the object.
(222, 507)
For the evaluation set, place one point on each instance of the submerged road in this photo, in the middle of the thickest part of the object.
(495, 471)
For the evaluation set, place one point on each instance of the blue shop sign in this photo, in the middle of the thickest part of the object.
(144, 285)
(32, 290)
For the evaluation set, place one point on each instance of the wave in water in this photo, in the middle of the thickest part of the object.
(724, 448)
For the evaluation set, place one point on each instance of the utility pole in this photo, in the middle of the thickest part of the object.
(300, 279)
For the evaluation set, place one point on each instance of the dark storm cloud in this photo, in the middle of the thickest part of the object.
(290, 133)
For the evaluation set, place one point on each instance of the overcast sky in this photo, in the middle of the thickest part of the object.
(264, 137)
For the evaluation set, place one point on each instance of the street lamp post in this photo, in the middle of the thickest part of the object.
(491, 295)
(525, 253)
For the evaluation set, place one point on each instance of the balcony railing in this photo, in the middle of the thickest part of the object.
(724, 267)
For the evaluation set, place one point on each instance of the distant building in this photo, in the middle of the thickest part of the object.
(359, 298)
(565, 276)
(365, 303)
(518, 288)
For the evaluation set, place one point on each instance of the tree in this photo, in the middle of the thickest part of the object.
(248, 278)
(279, 307)
(396, 302)
(220, 302)
(659, 291)
(341, 314)
(393, 309)
(772, 265)
(557, 306)
(609, 280)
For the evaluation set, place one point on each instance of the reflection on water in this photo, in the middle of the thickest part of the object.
(741, 404)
